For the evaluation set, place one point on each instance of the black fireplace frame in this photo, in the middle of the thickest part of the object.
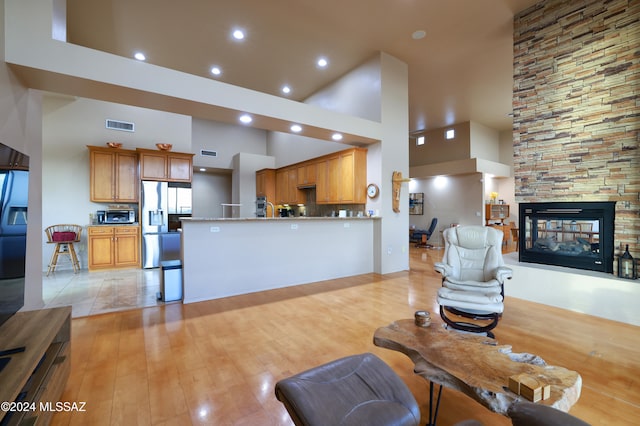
(603, 211)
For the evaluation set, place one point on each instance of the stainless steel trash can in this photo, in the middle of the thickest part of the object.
(170, 281)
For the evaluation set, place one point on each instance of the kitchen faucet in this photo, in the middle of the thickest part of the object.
(273, 209)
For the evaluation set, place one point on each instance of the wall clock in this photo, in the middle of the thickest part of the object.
(372, 190)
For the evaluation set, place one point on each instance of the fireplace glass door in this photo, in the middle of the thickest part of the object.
(576, 235)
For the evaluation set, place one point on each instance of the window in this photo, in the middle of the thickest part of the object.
(450, 134)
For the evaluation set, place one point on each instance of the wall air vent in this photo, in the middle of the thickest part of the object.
(120, 125)
(208, 153)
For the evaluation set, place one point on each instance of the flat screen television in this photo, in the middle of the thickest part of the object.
(14, 188)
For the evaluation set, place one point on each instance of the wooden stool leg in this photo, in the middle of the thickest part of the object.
(54, 260)
(74, 258)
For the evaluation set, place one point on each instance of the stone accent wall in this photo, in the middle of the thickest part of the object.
(576, 107)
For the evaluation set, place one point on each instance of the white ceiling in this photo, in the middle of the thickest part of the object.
(461, 71)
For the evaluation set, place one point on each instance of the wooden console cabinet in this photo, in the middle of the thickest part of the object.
(38, 376)
(113, 247)
(113, 175)
(496, 213)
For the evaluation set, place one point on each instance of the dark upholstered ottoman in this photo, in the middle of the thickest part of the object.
(526, 413)
(356, 390)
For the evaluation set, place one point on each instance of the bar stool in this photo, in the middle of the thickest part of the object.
(63, 236)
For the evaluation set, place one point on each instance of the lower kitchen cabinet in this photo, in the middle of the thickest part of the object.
(114, 247)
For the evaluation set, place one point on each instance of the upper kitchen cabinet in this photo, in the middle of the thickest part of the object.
(341, 178)
(266, 183)
(113, 175)
(165, 166)
(287, 191)
(307, 174)
(327, 180)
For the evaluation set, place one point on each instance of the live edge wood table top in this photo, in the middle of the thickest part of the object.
(476, 365)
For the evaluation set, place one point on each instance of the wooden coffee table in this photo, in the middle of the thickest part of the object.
(474, 365)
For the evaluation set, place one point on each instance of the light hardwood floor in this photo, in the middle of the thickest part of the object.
(216, 362)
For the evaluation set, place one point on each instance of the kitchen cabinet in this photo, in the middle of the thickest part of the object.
(165, 166)
(327, 180)
(113, 247)
(287, 191)
(266, 187)
(341, 178)
(113, 175)
(266, 183)
(307, 173)
(496, 213)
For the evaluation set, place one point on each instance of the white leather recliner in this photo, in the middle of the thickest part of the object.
(473, 273)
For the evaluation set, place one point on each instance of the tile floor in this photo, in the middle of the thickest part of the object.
(92, 293)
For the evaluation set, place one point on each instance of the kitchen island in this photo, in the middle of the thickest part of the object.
(227, 257)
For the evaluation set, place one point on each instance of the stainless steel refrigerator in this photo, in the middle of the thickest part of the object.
(159, 200)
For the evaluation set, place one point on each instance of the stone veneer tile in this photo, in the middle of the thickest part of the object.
(576, 106)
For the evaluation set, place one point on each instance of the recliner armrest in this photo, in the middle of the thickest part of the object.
(443, 268)
(503, 273)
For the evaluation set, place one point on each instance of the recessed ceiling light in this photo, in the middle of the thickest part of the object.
(246, 118)
(296, 128)
(417, 35)
(238, 34)
(322, 62)
(337, 137)
(140, 56)
(202, 169)
(216, 71)
(286, 89)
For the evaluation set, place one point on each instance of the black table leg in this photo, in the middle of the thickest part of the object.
(433, 415)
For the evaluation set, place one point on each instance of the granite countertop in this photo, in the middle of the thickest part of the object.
(114, 224)
(268, 219)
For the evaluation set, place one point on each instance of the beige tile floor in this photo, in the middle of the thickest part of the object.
(93, 293)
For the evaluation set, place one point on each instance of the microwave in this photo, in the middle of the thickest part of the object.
(117, 216)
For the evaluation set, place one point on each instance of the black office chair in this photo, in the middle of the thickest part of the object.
(425, 237)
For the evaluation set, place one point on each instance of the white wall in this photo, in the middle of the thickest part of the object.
(244, 183)
(209, 191)
(21, 129)
(484, 142)
(356, 93)
(394, 156)
(227, 140)
(452, 199)
(229, 257)
(289, 149)
(437, 149)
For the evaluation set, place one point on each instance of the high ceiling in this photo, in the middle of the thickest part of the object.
(460, 71)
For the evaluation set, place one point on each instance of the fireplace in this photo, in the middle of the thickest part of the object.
(572, 234)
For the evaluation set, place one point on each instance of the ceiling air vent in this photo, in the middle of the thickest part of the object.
(208, 153)
(120, 125)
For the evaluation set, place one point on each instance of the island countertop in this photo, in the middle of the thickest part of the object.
(223, 257)
(258, 219)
